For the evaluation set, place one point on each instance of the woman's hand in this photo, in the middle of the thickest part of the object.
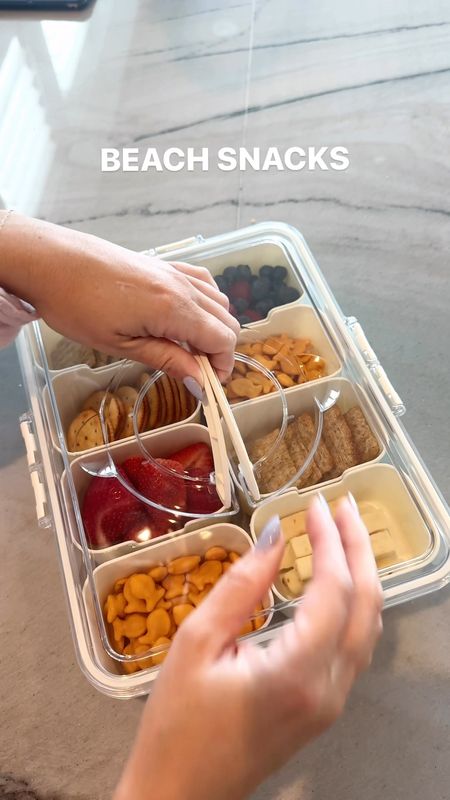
(116, 300)
(222, 718)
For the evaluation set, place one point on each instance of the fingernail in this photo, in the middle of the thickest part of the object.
(193, 387)
(269, 534)
(353, 503)
(323, 503)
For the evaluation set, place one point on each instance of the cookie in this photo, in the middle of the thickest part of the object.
(165, 388)
(367, 447)
(306, 431)
(176, 400)
(85, 432)
(128, 396)
(338, 438)
(68, 353)
(152, 398)
(114, 410)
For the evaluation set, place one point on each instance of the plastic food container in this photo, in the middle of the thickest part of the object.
(393, 480)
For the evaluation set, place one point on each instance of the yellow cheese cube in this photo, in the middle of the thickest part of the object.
(293, 525)
(300, 546)
(292, 582)
(304, 567)
(382, 544)
(288, 559)
(375, 520)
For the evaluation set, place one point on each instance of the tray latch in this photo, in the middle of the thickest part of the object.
(167, 248)
(372, 361)
(35, 468)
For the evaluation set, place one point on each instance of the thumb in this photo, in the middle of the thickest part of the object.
(168, 356)
(223, 613)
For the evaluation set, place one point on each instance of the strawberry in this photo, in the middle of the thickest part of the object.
(157, 485)
(110, 513)
(195, 456)
(240, 289)
(202, 497)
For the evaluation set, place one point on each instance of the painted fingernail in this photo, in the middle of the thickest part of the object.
(323, 503)
(353, 503)
(269, 534)
(193, 387)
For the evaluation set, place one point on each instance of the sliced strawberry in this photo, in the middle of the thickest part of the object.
(195, 456)
(111, 513)
(240, 289)
(202, 497)
(160, 487)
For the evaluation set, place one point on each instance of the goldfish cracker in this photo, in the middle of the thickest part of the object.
(232, 556)
(134, 604)
(173, 585)
(158, 573)
(158, 624)
(158, 658)
(207, 573)
(183, 565)
(141, 585)
(181, 612)
(215, 554)
(132, 626)
(115, 606)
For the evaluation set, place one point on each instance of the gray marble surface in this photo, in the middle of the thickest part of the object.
(372, 77)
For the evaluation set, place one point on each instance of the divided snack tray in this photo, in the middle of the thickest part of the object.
(397, 496)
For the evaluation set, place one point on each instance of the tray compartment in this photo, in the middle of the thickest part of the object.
(378, 486)
(299, 322)
(73, 386)
(260, 416)
(159, 443)
(194, 543)
(256, 256)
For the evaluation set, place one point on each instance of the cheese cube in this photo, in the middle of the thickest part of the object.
(375, 520)
(382, 544)
(300, 546)
(292, 582)
(304, 567)
(293, 525)
(288, 559)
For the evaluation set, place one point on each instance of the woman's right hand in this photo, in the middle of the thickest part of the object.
(222, 717)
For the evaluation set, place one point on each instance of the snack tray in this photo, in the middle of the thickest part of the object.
(394, 481)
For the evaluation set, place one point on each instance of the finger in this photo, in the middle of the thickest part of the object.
(205, 333)
(321, 619)
(364, 627)
(211, 291)
(201, 273)
(166, 355)
(219, 311)
(218, 621)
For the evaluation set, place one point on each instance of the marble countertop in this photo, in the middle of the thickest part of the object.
(374, 78)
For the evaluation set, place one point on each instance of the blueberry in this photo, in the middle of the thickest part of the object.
(230, 274)
(266, 271)
(241, 305)
(280, 274)
(260, 289)
(244, 272)
(222, 283)
(243, 320)
(264, 306)
(287, 294)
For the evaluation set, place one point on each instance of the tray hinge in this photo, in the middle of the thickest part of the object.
(180, 245)
(44, 517)
(375, 368)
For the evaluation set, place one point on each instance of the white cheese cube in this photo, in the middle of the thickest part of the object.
(292, 582)
(300, 546)
(293, 525)
(382, 544)
(304, 567)
(288, 559)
